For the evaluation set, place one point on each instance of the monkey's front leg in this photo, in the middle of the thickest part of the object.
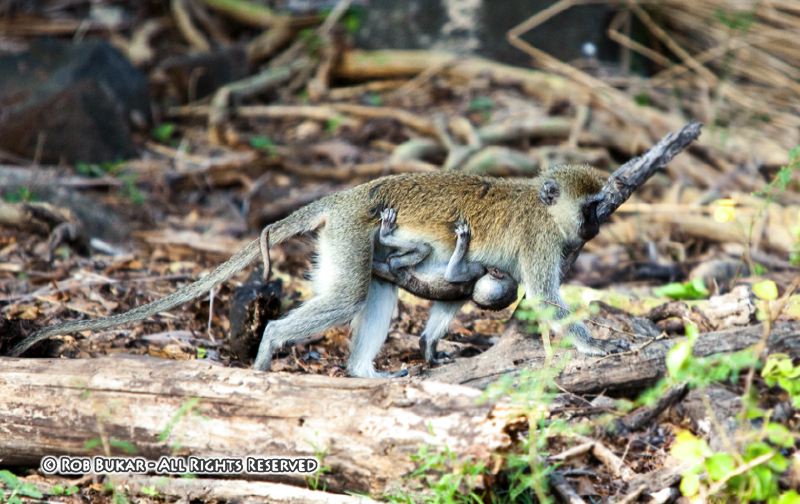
(459, 269)
(546, 287)
(406, 252)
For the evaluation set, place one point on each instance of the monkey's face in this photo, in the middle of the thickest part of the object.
(571, 195)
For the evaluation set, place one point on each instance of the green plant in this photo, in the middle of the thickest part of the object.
(333, 124)
(450, 479)
(779, 371)
(128, 189)
(163, 132)
(780, 183)
(20, 195)
(531, 392)
(354, 18)
(482, 105)
(749, 467)
(265, 144)
(185, 409)
(314, 481)
(125, 446)
(693, 289)
(65, 491)
(13, 489)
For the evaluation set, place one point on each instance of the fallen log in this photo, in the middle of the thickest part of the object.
(620, 373)
(365, 431)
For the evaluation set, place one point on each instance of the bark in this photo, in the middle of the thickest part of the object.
(620, 373)
(207, 490)
(368, 428)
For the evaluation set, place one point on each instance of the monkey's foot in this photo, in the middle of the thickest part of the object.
(400, 373)
(440, 358)
(372, 373)
(432, 356)
(601, 348)
(388, 221)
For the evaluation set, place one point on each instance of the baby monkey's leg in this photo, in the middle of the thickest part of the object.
(406, 252)
(458, 269)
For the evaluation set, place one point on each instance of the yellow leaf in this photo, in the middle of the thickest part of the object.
(766, 290)
(724, 210)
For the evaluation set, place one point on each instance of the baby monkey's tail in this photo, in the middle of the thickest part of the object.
(303, 220)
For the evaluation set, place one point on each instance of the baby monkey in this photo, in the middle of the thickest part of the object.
(457, 280)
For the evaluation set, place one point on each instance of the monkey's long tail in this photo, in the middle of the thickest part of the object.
(305, 219)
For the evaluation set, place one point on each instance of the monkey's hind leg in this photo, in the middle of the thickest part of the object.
(442, 313)
(369, 330)
(405, 253)
(458, 269)
(341, 281)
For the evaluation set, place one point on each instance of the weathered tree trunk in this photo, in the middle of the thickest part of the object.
(368, 429)
(620, 373)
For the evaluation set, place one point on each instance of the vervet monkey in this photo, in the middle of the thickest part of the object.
(512, 231)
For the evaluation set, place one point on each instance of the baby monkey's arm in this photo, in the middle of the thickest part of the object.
(458, 269)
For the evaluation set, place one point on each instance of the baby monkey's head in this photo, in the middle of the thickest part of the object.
(571, 194)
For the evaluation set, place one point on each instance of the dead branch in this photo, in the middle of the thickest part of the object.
(630, 176)
(583, 375)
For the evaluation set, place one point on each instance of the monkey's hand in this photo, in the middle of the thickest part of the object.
(587, 345)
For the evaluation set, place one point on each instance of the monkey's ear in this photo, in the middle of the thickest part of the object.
(591, 223)
(549, 192)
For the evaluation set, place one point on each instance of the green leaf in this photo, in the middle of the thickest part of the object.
(9, 479)
(690, 485)
(125, 446)
(480, 104)
(766, 290)
(163, 132)
(263, 143)
(790, 497)
(149, 491)
(695, 289)
(28, 490)
(91, 444)
(779, 435)
(689, 448)
(720, 465)
(678, 357)
(762, 483)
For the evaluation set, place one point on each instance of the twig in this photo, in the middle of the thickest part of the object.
(574, 451)
(190, 32)
(564, 489)
(638, 419)
(608, 458)
(247, 12)
(632, 496)
(263, 242)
